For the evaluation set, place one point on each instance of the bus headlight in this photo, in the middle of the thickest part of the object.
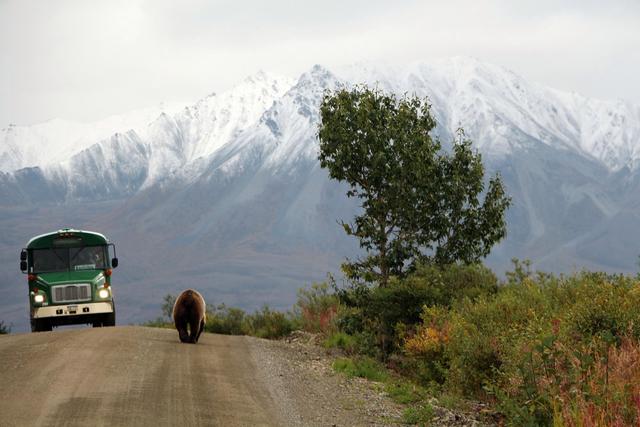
(39, 298)
(103, 293)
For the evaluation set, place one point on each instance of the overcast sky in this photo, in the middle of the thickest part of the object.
(83, 60)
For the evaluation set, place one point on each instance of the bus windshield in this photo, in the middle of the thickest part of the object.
(69, 259)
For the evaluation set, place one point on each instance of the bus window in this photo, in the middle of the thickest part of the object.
(56, 259)
(87, 258)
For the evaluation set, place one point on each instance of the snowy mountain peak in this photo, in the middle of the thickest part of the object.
(305, 96)
(490, 102)
(262, 76)
(500, 111)
(317, 75)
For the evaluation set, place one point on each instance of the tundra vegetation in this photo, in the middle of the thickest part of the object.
(419, 313)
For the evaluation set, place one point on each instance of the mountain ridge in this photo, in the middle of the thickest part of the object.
(477, 102)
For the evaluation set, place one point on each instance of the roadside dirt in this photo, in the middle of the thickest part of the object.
(146, 377)
(300, 373)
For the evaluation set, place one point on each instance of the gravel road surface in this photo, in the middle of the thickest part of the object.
(138, 376)
(130, 376)
(145, 376)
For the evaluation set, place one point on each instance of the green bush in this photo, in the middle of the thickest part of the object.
(454, 282)
(427, 362)
(604, 304)
(386, 312)
(221, 319)
(225, 320)
(537, 337)
(483, 332)
(345, 342)
(267, 323)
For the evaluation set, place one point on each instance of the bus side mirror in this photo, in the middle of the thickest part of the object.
(23, 260)
(114, 262)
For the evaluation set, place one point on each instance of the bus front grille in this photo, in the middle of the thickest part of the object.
(71, 293)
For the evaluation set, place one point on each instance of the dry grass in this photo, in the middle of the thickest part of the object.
(610, 392)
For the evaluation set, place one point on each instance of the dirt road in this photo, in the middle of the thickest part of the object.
(136, 376)
(131, 376)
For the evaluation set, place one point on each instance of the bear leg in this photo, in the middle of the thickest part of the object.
(182, 331)
(200, 329)
(194, 330)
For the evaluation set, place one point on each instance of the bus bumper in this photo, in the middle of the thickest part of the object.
(72, 310)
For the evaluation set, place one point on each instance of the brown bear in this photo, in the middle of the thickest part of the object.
(189, 309)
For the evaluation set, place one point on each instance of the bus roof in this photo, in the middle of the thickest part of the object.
(88, 238)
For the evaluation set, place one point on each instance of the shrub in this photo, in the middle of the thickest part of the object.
(4, 329)
(225, 320)
(427, 346)
(221, 319)
(482, 333)
(316, 308)
(402, 301)
(604, 304)
(343, 341)
(521, 271)
(454, 282)
(267, 323)
(389, 312)
(537, 338)
(568, 354)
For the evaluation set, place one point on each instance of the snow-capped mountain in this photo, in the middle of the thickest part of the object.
(228, 192)
(490, 102)
(498, 109)
(56, 140)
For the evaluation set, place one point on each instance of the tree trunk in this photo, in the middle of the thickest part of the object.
(384, 265)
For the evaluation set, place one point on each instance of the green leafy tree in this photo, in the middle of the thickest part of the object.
(419, 202)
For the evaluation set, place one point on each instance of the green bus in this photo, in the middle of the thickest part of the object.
(69, 275)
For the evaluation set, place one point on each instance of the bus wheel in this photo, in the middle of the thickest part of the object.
(110, 320)
(41, 325)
